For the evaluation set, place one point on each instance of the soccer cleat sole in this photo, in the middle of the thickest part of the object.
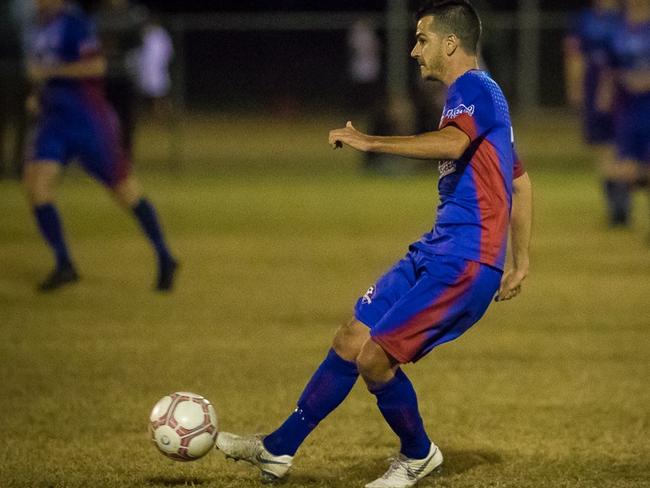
(270, 479)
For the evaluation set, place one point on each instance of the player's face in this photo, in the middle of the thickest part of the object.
(428, 50)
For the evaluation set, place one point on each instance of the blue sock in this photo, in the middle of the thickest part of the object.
(146, 215)
(327, 388)
(49, 223)
(399, 406)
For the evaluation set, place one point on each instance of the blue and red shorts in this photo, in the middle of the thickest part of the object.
(92, 137)
(424, 301)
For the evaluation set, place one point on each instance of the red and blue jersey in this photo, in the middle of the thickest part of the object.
(476, 190)
(629, 55)
(594, 30)
(66, 38)
(76, 120)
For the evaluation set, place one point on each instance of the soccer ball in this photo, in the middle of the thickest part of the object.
(183, 426)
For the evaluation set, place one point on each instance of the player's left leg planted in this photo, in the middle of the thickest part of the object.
(40, 178)
(129, 194)
(623, 176)
(398, 404)
(325, 391)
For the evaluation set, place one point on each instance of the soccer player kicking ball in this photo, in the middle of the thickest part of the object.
(76, 121)
(447, 279)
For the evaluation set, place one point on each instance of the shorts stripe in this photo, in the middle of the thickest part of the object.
(408, 340)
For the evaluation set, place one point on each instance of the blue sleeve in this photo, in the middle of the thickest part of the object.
(471, 109)
(79, 40)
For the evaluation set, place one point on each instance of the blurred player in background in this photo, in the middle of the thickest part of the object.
(589, 90)
(151, 66)
(74, 121)
(447, 279)
(629, 62)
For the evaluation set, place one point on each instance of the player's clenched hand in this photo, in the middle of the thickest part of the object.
(510, 285)
(32, 105)
(350, 136)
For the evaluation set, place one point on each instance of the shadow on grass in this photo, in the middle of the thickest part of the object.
(175, 481)
(458, 462)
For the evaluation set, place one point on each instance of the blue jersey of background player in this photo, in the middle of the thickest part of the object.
(588, 88)
(629, 60)
(589, 39)
(446, 281)
(629, 57)
(74, 121)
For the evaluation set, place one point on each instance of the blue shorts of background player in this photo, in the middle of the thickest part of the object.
(91, 137)
(426, 300)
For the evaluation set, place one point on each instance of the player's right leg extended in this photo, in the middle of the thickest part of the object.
(325, 391)
(128, 193)
(41, 178)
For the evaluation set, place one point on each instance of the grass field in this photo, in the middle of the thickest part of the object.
(278, 235)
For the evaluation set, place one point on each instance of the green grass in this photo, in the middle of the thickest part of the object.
(277, 236)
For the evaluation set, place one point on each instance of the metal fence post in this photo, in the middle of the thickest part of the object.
(529, 24)
(397, 18)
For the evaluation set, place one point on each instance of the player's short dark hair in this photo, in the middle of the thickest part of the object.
(458, 17)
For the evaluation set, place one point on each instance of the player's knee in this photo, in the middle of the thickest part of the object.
(625, 171)
(349, 340)
(374, 365)
(127, 192)
(38, 186)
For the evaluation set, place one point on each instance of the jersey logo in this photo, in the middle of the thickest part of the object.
(367, 298)
(452, 113)
(446, 167)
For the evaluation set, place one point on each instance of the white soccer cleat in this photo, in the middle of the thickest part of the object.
(252, 450)
(404, 472)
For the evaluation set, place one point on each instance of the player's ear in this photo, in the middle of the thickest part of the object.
(451, 44)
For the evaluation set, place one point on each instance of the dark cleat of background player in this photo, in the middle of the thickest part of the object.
(60, 276)
(166, 275)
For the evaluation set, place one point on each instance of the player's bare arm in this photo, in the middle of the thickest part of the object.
(574, 71)
(606, 91)
(448, 143)
(94, 67)
(38, 73)
(520, 232)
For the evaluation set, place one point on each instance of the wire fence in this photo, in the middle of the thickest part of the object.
(212, 53)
